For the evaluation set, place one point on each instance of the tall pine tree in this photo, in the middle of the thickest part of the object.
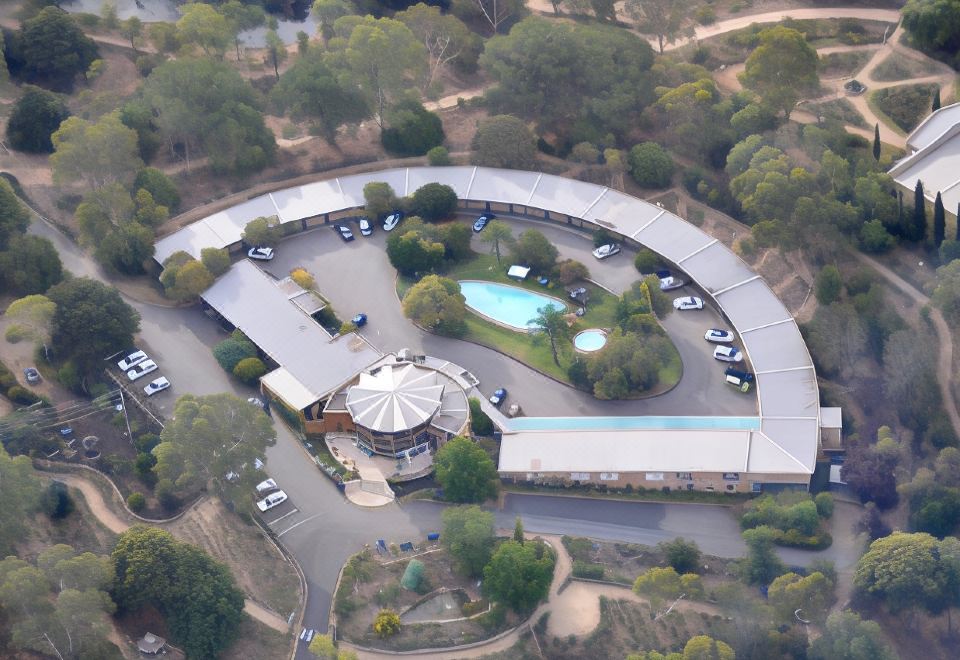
(936, 100)
(917, 223)
(876, 142)
(939, 222)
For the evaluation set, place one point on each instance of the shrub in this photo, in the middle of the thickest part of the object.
(36, 116)
(302, 277)
(572, 271)
(386, 624)
(647, 261)
(16, 333)
(249, 370)
(217, 260)
(906, 105)
(650, 165)
(434, 201)
(146, 442)
(828, 285)
(22, 395)
(230, 352)
(158, 184)
(56, 501)
(136, 502)
(413, 575)
(480, 422)
(824, 502)
(413, 130)
(166, 493)
(875, 238)
(438, 156)
(582, 569)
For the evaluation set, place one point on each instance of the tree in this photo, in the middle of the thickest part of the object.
(438, 157)
(917, 223)
(828, 285)
(681, 554)
(159, 185)
(876, 142)
(379, 56)
(519, 574)
(875, 238)
(535, 250)
(572, 271)
(412, 253)
(20, 490)
(658, 585)
(504, 141)
(263, 231)
(14, 216)
(456, 239)
(662, 17)
(933, 24)
(480, 422)
(33, 314)
(498, 234)
(276, 49)
(210, 436)
(413, 130)
(379, 199)
(201, 25)
(946, 295)
(904, 571)
(939, 222)
(551, 322)
(781, 68)
(518, 530)
(231, 351)
(36, 115)
(132, 29)
(91, 320)
(936, 100)
(436, 304)
(185, 280)
(465, 471)
(215, 260)
(761, 565)
(650, 165)
(468, 535)
(704, 647)
(498, 12)
(30, 265)
(241, 17)
(847, 637)
(206, 104)
(52, 50)
(326, 12)
(97, 153)
(196, 594)
(791, 592)
(445, 37)
(249, 370)
(434, 201)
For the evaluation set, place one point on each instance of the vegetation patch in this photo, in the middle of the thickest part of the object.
(904, 105)
(840, 65)
(899, 67)
(841, 110)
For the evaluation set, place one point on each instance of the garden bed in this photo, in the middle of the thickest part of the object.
(371, 582)
(905, 105)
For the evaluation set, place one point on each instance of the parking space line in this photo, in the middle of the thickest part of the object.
(289, 513)
(295, 525)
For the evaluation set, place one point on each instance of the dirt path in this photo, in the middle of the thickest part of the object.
(117, 524)
(143, 47)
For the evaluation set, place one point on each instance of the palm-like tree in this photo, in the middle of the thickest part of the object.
(550, 321)
(497, 233)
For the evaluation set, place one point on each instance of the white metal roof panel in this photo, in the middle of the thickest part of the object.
(191, 239)
(768, 457)
(716, 268)
(308, 200)
(672, 237)
(505, 186)
(777, 347)
(788, 394)
(793, 437)
(563, 195)
(934, 126)
(230, 223)
(671, 450)
(288, 388)
(621, 212)
(938, 167)
(352, 186)
(457, 178)
(752, 305)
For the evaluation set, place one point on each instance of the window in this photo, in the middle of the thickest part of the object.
(731, 476)
(580, 476)
(687, 476)
(609, 476)
(756, 487)
(654, 476)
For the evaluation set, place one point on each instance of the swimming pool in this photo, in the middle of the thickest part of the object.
(633, 423)
(590, 340)
(508, 305)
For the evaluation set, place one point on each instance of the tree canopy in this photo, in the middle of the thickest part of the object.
(468, 535)
(535, 250)
(14, 216)
(36, 115)
(434, 201)
(905, 571)
(848, 637)
(51, 50)
(20, 490)
(934, 25)
(97, 153)
(210, 436)
(436, 303)
(465, 471)
(504, 141)
(781, 68)
(519, 574)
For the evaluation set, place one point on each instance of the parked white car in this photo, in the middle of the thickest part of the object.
(671, 283)
(272, 500)
(132, 360)
(261, 253)
(392, 220)
(266, 486)
(727, 354)
(605, 251)
(158, 385)
(688, 302)
(718, 336)
(142, 369)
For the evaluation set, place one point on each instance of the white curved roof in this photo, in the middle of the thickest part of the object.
(786, 381)
(395, 399)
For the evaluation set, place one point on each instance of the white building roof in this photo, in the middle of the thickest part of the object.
(395, 398)
(311, 363)
(786, 382)
(935, 125)
(936, 157)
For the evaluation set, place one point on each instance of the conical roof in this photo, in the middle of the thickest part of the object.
(394, 399)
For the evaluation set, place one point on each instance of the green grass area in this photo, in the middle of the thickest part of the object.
(840, 110)
(839, 65)
(534, 350)
(898, 67)
(905, 105)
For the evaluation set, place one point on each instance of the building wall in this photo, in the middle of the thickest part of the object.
(736, 482)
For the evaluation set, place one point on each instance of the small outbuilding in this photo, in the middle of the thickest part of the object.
(151, 644)
(518, 272)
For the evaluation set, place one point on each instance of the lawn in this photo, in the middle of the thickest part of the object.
(534, 350)
(904, 105)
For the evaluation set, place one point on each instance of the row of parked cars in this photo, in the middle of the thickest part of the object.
(138, 364)
(270, 495)
(390, 223)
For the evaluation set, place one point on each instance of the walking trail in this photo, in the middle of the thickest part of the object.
(118, 524)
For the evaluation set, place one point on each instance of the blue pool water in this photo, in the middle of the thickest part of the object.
(633, 423)
(590, 340)
(505, 304)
